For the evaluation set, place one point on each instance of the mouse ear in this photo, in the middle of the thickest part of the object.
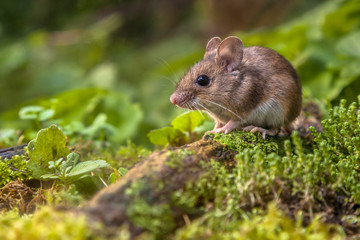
(211, 47)
(230, 53)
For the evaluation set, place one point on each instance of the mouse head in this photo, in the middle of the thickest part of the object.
(210, 79)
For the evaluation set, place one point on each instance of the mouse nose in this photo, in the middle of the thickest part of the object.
(173, 98)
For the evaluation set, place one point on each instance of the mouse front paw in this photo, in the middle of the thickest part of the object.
(230, 126)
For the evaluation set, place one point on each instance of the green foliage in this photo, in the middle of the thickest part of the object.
(182, 130)
(116, 175)
(99, 90)
(166, 135)
(322, 44)
(337, 147)
(148, 215)
(69, 170)
(49, 145)
(36, 113)
(270, 225)
(187, 122)
(8, 137)
(44, 224)
(13, 169)
(241, 140)
(176, 158)
(258, 177)
(50, 159)
(91, 114)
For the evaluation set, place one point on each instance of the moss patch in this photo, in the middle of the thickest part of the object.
(240, 140)
(13, 169)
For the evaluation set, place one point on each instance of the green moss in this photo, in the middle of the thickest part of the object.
(240, 140)
(176, 158)
(272, 224)
(234, 202)
(157, 218)
(12, 169)
(260, 176)
(337, 149)
(44, 224)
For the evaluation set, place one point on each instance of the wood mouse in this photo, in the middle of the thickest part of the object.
(253, 88)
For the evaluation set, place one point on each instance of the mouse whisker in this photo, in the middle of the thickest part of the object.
(201, 105)
(170, 71)
(188, 106)
(224, 108)
(194, 105)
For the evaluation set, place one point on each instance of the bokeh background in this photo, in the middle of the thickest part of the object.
(104, 70)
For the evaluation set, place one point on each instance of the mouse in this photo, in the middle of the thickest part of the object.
(250, 88)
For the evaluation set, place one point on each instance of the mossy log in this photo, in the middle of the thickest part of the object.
(12, 151)
(155, 180)
(146, 192)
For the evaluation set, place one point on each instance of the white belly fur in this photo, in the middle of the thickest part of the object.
(267, 114)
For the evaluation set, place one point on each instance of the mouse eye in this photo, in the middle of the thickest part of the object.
(202, 80)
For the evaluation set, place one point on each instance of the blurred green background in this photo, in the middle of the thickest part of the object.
(104, 70)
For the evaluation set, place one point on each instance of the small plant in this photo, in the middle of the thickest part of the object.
(49, 145)
(50, 159)
(69, 170)
(36, 113)
(181, 131)
(116, 175)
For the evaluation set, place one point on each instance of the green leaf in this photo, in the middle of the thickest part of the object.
(86, 167)
(30, 112)
(122, 171)
(36, 112)
(164, 136)
(351, 69)
(46, 114)
(188, 121)
(73, 127)
(99, 125)
(70, 161)
(350, 44)
(112, 178)
(49, 145)
(49, 176)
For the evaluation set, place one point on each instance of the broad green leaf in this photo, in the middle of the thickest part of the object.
(70, 161)
(30, 112)
(122, 171)
(343, 19)
(351, 69)
(86, 167)
(49, 176)
(164, 136)
(188, 121)
(46, 114)
(73, 127)
(98, 126)
(112, 178)
(350, 44)
(49, 145)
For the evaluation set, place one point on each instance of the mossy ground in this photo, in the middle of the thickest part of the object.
(278, 188)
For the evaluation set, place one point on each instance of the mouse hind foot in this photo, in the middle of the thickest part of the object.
(262, 131)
